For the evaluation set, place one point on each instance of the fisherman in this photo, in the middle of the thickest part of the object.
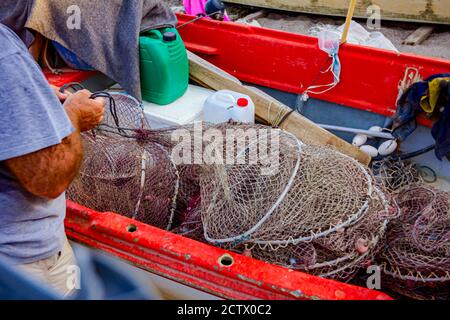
(40, 145)
(40, 155)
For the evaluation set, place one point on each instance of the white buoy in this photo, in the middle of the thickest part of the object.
(387, 147)
(375, 129)
(371, 151)
(359, 140)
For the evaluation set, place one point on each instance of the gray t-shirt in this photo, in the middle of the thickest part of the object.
(31, 119)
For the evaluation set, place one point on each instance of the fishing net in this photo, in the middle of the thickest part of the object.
(338, 255)
(416, 258)
(188, 191)
(124, 114)
(315, 192)
(318, 210)
(395, 174)
(267, 195)
(190, 223)
(126, 168)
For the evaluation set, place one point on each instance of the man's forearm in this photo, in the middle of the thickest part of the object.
(49, 172)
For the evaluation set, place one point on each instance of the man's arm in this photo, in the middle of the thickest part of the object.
(49, 172)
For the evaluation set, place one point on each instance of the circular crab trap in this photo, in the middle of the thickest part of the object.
(315, 192)
(340, 254)
(125, 170)
(318, 210)
(188, 191)
(416, 258)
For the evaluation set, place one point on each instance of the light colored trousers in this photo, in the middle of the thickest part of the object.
(57, 271)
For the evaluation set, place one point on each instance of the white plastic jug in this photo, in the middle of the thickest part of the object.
(226, 105)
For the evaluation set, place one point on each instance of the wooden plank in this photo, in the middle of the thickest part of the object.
(431, 11)
(419, 36)
(271, 110)
(256, 15)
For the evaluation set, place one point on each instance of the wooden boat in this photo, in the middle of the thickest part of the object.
(434, 11)
(281, 64)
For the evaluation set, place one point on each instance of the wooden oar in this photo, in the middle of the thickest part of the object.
(270, 110)
(348, 21)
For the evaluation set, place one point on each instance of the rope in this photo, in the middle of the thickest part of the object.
(199, 17)
(76, 86)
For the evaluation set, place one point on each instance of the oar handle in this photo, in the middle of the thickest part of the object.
(348, 21)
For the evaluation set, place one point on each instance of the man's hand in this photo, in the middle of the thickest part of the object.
(62, 96)
(85, 113)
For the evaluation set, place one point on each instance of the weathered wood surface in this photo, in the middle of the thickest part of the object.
(270, 110)
(432, 11)
(419, 36)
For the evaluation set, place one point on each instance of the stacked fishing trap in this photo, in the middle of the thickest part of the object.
(304, 207)
(416, 257)
(261, 192)
(321, 211)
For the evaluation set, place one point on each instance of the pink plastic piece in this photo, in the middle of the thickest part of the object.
(195, 7)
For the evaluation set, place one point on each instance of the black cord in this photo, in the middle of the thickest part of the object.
(112, 106)
(110, 129)
(199, 17)
(416, 153)
(407, 156)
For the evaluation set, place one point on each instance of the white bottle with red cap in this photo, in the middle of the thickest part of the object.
(226, 105)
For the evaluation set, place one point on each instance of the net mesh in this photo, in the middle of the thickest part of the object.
(126, 168)
(304, 207)
(312, 194)
(416, 258)
(320, 211)
(395, 174)
(124, 112)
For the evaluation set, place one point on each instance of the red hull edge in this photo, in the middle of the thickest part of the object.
(197, 264)
(290, 62)
(67, 76)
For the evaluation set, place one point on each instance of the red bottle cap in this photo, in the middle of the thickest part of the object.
(242, 102)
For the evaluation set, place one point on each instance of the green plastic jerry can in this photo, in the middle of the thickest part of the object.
(164, 66)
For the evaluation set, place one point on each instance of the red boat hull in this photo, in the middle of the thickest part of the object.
(281, 61)
(291, 62)
(197, 264)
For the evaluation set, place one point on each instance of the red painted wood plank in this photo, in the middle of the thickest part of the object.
(196, 264)
(291, 62)
(67, 76)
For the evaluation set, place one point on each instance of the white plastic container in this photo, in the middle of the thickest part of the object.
(186, 110)
(226, 105)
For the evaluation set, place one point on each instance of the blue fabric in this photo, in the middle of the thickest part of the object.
(409, 106)
(71, 58)
(441, 130)
(31, 119)
(102, 278)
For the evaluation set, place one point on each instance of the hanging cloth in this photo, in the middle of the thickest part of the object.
(430, 96)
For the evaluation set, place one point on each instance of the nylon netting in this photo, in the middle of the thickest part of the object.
(304, 207)
(395, 174)
(321, 212)
(126, 169)
(416, 257)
